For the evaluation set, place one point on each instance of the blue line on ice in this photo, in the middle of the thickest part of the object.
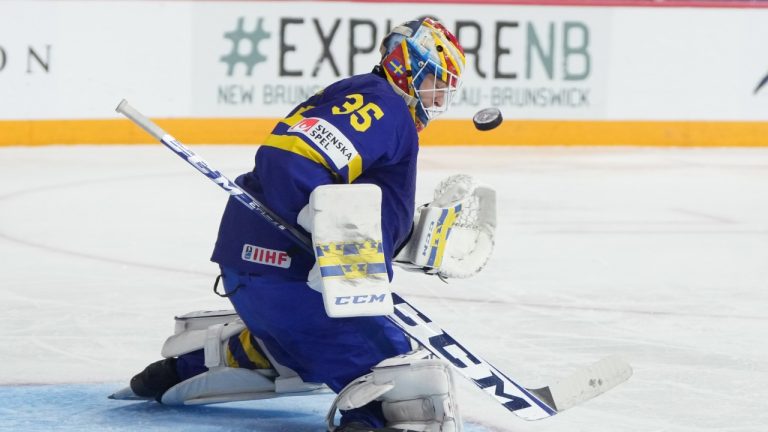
(85, 407)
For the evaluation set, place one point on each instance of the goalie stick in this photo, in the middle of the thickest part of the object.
(529, 404)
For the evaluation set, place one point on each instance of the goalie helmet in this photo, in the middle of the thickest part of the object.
(423, 62)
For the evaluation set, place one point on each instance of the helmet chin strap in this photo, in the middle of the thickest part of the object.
(410, 100)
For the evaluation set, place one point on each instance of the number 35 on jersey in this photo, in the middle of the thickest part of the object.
(361, 114)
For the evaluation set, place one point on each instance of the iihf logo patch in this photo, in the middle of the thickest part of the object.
(266, 256)
(396, 67)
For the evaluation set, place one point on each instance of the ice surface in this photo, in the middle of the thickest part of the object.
(80, 407)
(658, 255)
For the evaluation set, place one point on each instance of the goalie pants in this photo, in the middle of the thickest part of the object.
(290, 319)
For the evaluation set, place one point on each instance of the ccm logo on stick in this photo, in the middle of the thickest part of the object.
(478, 372)
(483, 374)
(360, 299)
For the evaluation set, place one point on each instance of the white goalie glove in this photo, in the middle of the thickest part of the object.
(453, 236)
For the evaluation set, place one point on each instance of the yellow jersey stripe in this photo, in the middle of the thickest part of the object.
(297, 116)
(355, 168)
(296, 145)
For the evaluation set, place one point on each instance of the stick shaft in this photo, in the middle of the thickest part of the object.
(201, 165)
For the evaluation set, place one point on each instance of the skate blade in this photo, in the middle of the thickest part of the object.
(127, 394)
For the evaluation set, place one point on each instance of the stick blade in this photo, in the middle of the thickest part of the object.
(586, 383)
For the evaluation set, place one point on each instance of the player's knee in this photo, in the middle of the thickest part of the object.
(416, 394)
(423, 398)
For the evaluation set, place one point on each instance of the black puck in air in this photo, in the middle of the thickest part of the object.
(487, 119)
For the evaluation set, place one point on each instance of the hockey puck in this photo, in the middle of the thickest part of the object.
(487, 119)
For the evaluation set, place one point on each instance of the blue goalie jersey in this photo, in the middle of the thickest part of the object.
(357, 130)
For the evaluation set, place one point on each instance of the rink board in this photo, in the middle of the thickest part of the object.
(227, 70)
(443, 132)
(85, 407)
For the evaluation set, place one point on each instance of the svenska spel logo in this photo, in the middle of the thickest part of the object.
(305, 125)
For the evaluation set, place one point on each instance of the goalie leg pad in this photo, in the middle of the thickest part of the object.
(223, 384)
(211, 331)
(203, 329)
(417, 394)
(226, 384)
(351, 269)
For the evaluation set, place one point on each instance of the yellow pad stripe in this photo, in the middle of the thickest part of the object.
(231, 360)
(353, 260)
(350, 259)
(440, 235)
(253, 354)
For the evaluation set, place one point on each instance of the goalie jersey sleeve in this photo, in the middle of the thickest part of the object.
(357, 130)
